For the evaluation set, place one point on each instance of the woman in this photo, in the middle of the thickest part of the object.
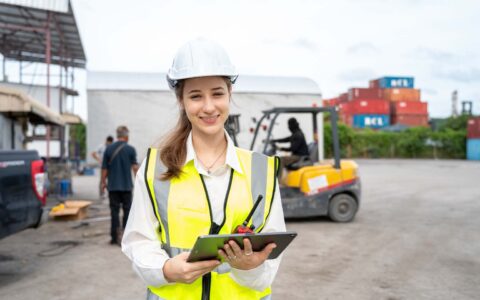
(197, 182)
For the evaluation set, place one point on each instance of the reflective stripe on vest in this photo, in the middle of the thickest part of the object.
(183, 210)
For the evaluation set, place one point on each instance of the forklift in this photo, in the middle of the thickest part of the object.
(312, 187)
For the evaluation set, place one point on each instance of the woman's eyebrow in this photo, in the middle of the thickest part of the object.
(217, 88)
(194, 91)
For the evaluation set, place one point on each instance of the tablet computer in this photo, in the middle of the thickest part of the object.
(206, 247)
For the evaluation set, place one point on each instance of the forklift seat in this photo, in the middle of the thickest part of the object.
(306, 160)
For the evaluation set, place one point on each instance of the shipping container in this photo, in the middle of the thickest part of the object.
(371, 121)
(365, 93)
(389, 82)
(347, 119)
(345, 108)
(410, 120)
(473, 128)
(343, 97)
(409, 107)
(401, 94)
(369, 106)
(473, 149)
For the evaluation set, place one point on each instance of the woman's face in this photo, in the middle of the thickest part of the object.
(206, 101)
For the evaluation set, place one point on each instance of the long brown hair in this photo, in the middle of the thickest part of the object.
(173, 151)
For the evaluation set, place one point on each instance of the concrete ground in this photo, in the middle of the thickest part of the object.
(416, 236)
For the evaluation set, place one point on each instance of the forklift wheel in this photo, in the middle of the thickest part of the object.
(342, 208)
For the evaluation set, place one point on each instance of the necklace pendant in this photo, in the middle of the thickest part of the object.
(208, 172)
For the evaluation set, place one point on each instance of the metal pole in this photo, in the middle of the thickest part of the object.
(335, 138)
(3, 69)
(47, 61)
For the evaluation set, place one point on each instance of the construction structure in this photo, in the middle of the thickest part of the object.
(144, 103)
(33, 32)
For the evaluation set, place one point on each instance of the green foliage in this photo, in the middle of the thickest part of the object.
(416, 142)
(78, 138)
(455, 123)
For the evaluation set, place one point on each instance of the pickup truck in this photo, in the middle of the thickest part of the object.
(23, 191)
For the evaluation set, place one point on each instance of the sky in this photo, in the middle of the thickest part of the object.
(339, 44)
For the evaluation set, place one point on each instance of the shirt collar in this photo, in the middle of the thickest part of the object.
(231, 158)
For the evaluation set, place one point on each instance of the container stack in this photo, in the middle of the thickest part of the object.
(406, 106)
(473, 139)
(388, 100)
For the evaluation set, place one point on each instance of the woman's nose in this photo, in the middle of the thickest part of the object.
(208, 105)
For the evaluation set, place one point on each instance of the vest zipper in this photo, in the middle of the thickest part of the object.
(214, 229)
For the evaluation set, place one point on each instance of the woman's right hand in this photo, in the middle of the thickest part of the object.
(177, 269)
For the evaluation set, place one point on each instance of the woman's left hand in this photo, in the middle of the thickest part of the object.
(245, 259)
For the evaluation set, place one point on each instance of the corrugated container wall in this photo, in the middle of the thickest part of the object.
(473, 149)
(343, 97)
(371, 106)
(410, 107)
(388, 82)
(371, 121)
(411, 120)
(364, 93)
(401, 94)
(473, 128)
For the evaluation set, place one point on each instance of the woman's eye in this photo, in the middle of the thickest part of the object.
(218, 94)
(195, 96)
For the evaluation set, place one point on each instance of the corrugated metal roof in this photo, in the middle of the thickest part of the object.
(244, 84)
(52, 5)
(17, 103)
(22, 29)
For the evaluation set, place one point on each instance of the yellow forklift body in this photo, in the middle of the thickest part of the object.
(316, 178)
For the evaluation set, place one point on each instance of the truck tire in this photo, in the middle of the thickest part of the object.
(342, 208)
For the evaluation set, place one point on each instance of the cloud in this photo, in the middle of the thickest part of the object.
(429, 91)
(359, 74)
(434, 55)
(297, 43)
(363, 48)
(460, 75)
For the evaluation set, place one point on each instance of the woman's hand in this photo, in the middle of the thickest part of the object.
(177, 269)
(245, 259)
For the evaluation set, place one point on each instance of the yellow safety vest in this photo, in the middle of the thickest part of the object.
(182, 207)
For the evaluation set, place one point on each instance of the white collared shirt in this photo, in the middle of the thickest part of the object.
(142, 246)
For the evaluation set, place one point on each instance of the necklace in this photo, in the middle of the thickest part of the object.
(210, 167)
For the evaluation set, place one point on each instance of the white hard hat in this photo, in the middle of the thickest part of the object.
(199, 58)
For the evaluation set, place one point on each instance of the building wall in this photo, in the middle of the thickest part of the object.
(149, 115)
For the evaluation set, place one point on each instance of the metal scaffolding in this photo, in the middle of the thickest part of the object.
(42, 31)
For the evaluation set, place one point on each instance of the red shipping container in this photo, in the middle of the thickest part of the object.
(343, 97)
(345, 108)
(370, 106)
(473, 128)
(410, 108)
(410, 120)
(365, 93)
(346, 119)
(402, 94)
(330, 102)
(374, 83)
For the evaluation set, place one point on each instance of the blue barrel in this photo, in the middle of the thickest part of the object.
(473, 149)
(371, 121)
(64, 187)
(389, 82)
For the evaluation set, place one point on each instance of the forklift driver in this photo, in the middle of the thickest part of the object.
(298, 145)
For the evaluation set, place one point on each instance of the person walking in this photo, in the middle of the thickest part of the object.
(98, 156)
(119, 161)
(196, 182)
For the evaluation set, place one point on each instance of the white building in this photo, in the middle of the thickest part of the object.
(144, 103)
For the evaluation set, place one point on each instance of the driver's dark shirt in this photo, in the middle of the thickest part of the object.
(298, 145)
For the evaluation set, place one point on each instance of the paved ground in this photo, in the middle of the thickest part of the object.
(416, 237)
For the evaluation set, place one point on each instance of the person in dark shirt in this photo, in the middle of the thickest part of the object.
(119, 161)
(298, 145)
